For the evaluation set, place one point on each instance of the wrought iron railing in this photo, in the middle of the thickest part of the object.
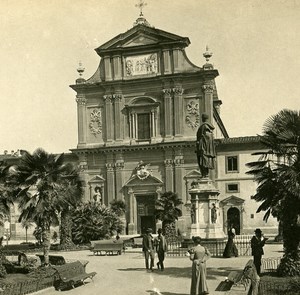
(178, 247)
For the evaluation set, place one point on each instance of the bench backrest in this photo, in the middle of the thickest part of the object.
(108, 246)
(70, 270)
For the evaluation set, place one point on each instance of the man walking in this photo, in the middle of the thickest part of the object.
(148, 248)
(257, 243)
(161, 248)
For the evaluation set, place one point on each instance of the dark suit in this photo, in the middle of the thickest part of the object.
(257, 251)
(148, 249)
(161, 248)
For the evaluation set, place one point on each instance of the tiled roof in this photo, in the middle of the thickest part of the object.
(242, 139)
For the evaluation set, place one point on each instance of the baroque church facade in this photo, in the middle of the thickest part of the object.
(137, 121)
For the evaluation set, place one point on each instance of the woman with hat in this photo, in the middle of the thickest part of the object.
(199, 255)
(257, 243)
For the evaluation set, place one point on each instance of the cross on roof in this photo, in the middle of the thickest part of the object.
(141, 5)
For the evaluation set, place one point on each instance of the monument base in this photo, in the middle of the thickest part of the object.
(207, 232)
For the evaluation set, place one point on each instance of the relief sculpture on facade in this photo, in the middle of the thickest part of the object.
(142, 171)
(141, 65)
(193, 118)
(95, 124)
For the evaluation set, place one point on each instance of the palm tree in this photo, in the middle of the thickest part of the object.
(46, 186)
(166, 210)
(277, 173)
(26, 224)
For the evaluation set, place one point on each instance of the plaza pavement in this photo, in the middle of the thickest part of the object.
(126, 274)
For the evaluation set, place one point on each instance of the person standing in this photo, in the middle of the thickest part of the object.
(161, 249)
(148, 249)
(257, 243)
(230, 248)
(199, 255)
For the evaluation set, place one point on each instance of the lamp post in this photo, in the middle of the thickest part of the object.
(7, 230)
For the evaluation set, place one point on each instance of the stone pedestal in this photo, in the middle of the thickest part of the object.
(203, 195)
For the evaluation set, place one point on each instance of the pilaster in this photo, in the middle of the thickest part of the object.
(208, 89)
(119, 166)
(109, 117)
(117, 66)
(167, 62)
(110, 179)
(179, 171)
(117, 112)
(107, 66)
(81, 117)
(178, 107)
(169, 179)
(168, 106)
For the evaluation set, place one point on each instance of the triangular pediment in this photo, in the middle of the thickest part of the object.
(232, 201)
(140, 40)
(96, 179)
(142, 36)
(150, 180)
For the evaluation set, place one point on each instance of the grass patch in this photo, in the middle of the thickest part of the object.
(272, 284)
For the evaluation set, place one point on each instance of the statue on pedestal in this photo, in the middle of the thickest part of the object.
(205, 148)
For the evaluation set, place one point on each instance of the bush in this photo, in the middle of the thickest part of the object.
(93, 221)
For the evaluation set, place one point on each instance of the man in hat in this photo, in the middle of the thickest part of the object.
(205, 148)
(148, 248)
(257, 243)
(161, 248)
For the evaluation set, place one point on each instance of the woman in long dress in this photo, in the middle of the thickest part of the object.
(199, 255)
(230, 248)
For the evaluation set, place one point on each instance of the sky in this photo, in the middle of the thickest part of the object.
(255, 45)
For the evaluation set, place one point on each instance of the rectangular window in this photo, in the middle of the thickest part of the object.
(232, 187)
(232, 164)
(143, 124)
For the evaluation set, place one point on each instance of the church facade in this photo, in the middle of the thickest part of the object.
(137, 121)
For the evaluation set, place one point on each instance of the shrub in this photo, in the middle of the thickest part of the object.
(93, 221)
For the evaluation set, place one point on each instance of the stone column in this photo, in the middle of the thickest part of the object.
(107, 67)
(119, 178)
(109, 117)
(177, 59)
(83, 176)
(208, 89)
(81, 117)
(178, 110)
(118, 121)
(168, 105)
(110, 180)
(169, 179)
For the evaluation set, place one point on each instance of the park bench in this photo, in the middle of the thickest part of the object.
(107, 246)
(270, 264)
(70, 274)
(243, 280)
(138, 242)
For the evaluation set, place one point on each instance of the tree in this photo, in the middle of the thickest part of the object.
(277, 173)
(166, 210)
(46, 186)
(6, 199)
(118, 207)
(93, 221)
(26, 224)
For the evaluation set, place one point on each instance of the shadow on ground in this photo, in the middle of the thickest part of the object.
(186, 272)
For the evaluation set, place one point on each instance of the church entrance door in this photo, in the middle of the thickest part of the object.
(145, 213)
(234, 220)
